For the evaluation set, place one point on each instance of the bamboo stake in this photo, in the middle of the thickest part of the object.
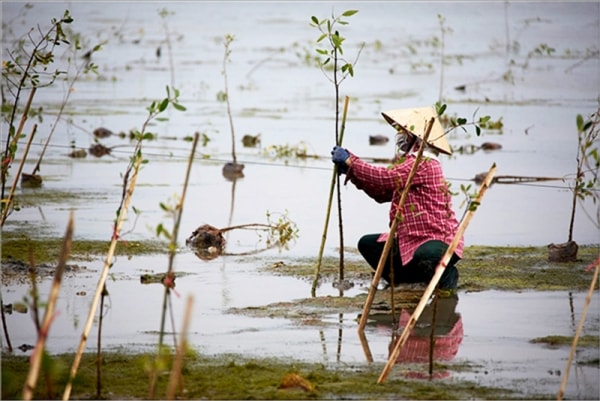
(14, 186)
(365, 346)
(102, 279)
(439, 270)
(175, 378)
(172, 251)
(334, 177)
(36, 358)
(392, 233)
(588, 299)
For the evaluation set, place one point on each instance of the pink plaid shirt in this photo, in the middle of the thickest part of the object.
(427, 213)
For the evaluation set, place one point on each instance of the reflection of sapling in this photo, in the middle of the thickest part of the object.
(233, 169)
(586, 180)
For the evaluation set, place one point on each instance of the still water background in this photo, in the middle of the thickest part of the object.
(492, 49)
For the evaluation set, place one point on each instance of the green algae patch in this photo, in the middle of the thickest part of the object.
(528, 268)
(559, 341)
(312, 310)
(47, 250)
(482, 268)
(231, 377)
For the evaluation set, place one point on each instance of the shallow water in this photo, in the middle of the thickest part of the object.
(289, 103)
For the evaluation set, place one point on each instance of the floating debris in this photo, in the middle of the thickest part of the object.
(208, 242)
(278, 264)
(158, 279)
(31, 180)
(491, 146)
(233, 170)
(251, 141)
(26, 347)
(78, 153)
(102, 132)
(17, 307)
(99, 150)
(378, 139)
(343, 285)
(565, 252)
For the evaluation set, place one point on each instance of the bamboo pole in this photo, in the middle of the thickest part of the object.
(36, 358)
(102, 280)
(392, 233)
(169, 274)
(14, 186)
(588, 299)
(437, 275)
(175, 378)
(334, 177)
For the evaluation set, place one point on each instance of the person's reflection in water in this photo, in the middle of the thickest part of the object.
(448, 335)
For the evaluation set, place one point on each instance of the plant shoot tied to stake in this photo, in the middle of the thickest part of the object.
(332, 60)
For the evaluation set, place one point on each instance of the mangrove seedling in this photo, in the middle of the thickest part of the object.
(208, 241)
(27, 68)
(129, 178)
(231, 170)
(586, 182)
(332, 58)
(85, 66)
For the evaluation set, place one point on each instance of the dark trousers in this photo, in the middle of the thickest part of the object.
(419, 270)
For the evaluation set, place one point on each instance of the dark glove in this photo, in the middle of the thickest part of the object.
(339, 156)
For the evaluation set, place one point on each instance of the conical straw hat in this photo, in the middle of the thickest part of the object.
(415, 121)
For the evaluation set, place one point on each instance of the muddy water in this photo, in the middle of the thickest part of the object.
(274, 93)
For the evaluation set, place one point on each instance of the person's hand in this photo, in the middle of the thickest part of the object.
(339, 156)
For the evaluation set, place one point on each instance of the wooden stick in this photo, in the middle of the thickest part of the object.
(175, 376)
(437, 275)
(36, 358)
(172, 252)
(365, 346)
(103, 276)
(588, 299)
(392, 234)
(334, 177)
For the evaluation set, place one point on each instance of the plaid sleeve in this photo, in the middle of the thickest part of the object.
(376, 181)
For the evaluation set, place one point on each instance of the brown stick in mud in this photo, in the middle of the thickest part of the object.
(588, 299)
(334, 177)
(439, 270)
(176, 377)
(128, 193)
(36, 358)
(392, 234)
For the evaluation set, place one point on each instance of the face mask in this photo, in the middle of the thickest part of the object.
(404, 142)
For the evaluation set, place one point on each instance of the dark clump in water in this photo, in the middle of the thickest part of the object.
(207, 241)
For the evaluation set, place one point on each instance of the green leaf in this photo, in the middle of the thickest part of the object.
(349, 13)
(179, 107)
(163, 105)
(315, 20)
(441, 108)
(579, 123)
